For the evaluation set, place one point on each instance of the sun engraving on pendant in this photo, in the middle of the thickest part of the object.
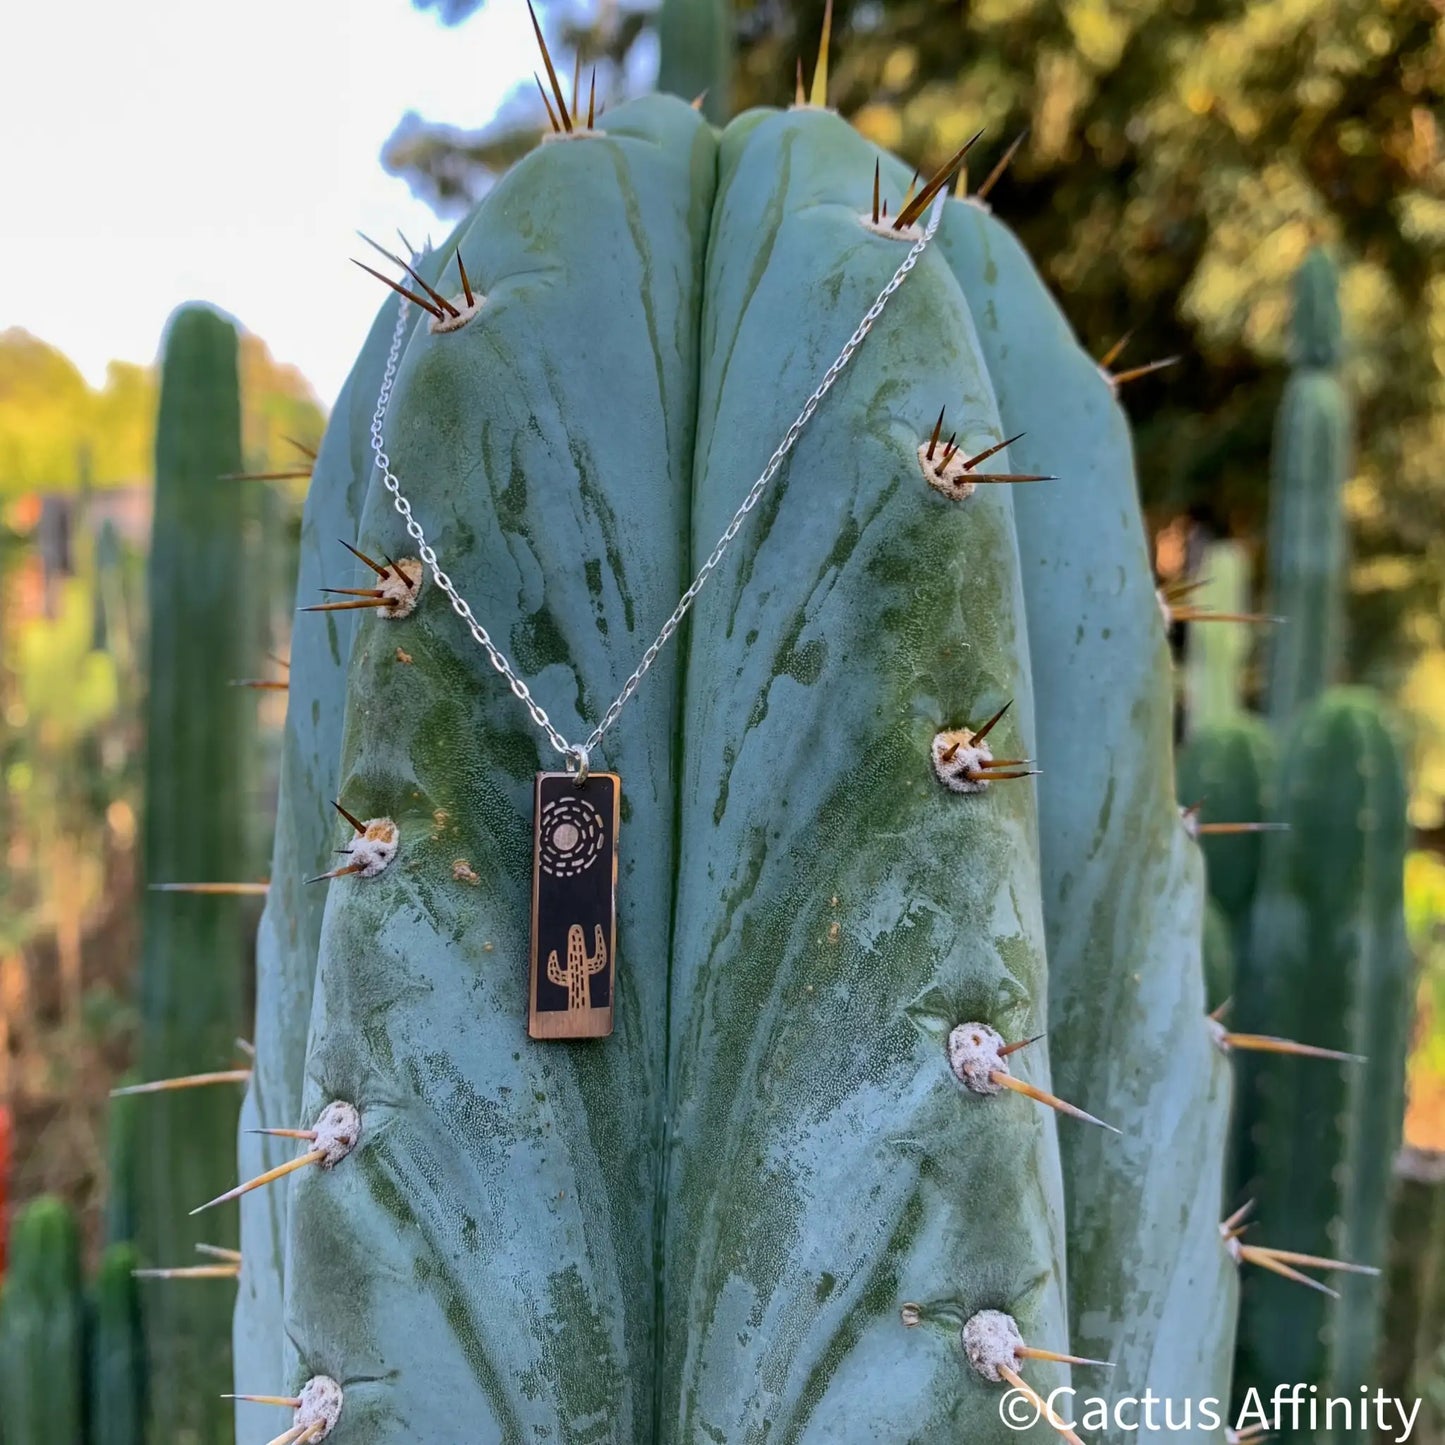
(572, 837)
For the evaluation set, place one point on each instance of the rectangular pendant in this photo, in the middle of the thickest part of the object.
(574, 906)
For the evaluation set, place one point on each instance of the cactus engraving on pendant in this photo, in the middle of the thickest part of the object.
(574, 906)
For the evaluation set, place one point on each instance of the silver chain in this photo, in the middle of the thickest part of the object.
(578, 755)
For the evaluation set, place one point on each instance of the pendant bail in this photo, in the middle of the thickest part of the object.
(578, 764)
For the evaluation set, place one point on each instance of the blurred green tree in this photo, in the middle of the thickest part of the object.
(54, 428)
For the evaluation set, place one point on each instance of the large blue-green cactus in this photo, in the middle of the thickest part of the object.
(1216, 658)
(720, 1223)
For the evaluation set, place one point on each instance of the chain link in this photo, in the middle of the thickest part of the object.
(578, 755)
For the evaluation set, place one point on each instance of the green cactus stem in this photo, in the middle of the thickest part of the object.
(1307, 540)
(417, 1022)
(1219, 960)
(42, 1328)
(117, 1352)
(1225, 775)
(1332, 968)
(695, 38)
(1217, 654)
(198, 762)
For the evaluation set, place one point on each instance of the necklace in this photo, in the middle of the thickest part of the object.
(572, 984)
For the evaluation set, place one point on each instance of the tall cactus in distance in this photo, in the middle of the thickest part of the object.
(1415, 1288)
(42, 1329)
(117, 1352)
(1216, 658)
(1226, 775)
(1331, 966)
(194, 948)
(696, 44)
(1307, 542)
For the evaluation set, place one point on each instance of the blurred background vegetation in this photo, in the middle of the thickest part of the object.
(1180, 158)
(76, 476)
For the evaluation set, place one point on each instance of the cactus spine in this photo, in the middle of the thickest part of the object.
(839, 912)
(42, 1328)
(1331, 967)
(117, 1353)
(722, 1222)
(193, 952)
(1307, 542)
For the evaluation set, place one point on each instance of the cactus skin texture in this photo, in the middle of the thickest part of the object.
(705, 1227)
(117, 1352)
(1307, 540)
(122, 1159)
(1217, 654)
(42, 1328)
(1149, 1285)
(1333, 965)
(197, 765)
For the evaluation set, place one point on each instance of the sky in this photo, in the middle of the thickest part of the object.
(174, 150)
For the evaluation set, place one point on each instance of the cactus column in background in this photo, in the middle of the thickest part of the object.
(194, 949)
(1217, 656)
(1307, 541)
(1331, 966)
(117, 1352)
(42, 1330)
(695, 38)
